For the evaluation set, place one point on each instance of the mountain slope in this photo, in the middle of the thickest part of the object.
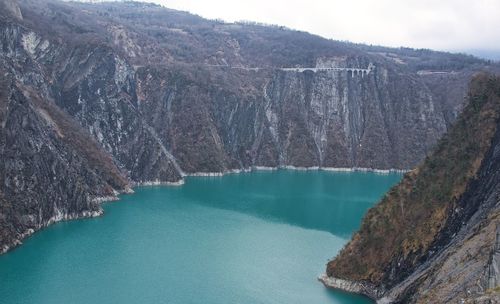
(433, 236)
(51, 168)
(388, 119)
(156, 94)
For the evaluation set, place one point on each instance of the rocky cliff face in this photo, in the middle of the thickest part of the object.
(160, 93)
(137, 91)
(51, 168)
(326, 119)
(434, 237)
(11, 9)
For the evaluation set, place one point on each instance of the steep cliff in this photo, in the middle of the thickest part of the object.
(11, 8)
(159, 93)
(205, 96)
(433, 237)
(51, 168)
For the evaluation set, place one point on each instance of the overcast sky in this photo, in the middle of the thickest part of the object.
(455, 25)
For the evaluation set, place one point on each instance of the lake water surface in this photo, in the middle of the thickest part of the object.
(260, 237)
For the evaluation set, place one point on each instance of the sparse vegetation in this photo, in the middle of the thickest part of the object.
(398, 232)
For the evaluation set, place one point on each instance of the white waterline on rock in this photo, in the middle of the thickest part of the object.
(157, 182)
(359, 169)
(363, 288)
(102, 199)
(264, 168)
(312, 168)
(63, 215)
(58, 217)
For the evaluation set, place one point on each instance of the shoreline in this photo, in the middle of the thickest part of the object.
(158, 183)
(313, 168)
(182, 180)
(59, 216)
(360, 288)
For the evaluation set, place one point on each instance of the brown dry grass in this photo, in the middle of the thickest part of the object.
(409, 218)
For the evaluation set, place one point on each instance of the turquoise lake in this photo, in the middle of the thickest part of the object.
(260, 237)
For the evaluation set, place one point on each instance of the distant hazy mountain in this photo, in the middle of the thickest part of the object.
(486, 54)
(97, 1)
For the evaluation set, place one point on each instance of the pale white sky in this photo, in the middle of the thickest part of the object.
(437, 24)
